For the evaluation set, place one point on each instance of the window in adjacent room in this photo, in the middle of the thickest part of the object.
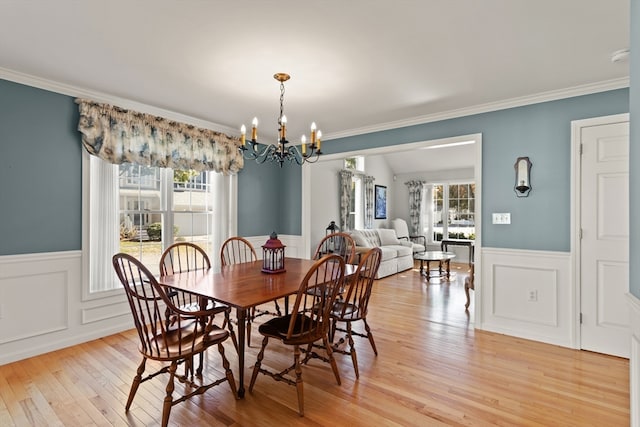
(453, 212)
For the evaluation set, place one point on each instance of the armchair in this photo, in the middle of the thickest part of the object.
(402, 231)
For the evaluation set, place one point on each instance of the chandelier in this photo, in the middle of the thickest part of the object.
(280, 152)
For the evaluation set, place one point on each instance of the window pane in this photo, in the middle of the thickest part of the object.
(463, 191)
(453, 192)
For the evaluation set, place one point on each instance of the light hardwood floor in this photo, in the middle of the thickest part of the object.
(433, 369)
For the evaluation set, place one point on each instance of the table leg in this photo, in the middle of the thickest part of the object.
(242, 320)
(422, 267)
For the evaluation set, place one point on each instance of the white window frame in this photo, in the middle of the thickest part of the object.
(225, 222)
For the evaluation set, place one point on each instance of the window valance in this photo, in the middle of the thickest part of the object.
(120, 136)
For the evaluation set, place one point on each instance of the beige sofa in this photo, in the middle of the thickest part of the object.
(397, 255)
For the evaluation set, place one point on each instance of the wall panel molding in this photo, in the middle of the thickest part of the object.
(527, 294)
(50, 284)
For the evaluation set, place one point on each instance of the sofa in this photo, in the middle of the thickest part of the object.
(397, 255)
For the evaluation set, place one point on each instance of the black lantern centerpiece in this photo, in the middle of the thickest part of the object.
(273, 255)
(330, 245)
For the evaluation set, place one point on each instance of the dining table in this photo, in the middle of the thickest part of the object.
(243, 286)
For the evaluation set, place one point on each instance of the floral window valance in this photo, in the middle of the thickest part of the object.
(120, 136)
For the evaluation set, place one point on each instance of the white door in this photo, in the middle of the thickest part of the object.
(604, 264)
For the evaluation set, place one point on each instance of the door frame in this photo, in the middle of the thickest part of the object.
(576, 212)
(477, 171)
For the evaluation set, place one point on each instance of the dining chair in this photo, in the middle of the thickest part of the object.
(191, 333)
(236, 250)
(307, 323)
(354, 306)
(337, 243)
(183, 257)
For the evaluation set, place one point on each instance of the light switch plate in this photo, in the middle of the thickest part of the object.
(502, 218)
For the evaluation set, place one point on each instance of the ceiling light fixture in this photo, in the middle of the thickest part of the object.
(280, 152)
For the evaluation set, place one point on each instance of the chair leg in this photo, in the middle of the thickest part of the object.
(299, 383)
(352, 350)
(370, 336)
(332, 360)
(136, 383)
(228, 372)
(168, 399)
(278, 309)
(256, 367)
(332, 330)
(466, 291)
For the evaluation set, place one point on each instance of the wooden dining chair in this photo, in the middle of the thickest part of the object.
(182, 257)
(191, 333)
(306, 324)
(339, 243)
(236, 250)
(354, 306)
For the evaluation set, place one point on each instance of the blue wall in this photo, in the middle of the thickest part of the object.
(634, 152)
(40, 171)
(40, 168)
(540, 131)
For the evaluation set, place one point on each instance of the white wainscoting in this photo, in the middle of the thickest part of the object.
(41, 307)
(634, 360)
(528, 294)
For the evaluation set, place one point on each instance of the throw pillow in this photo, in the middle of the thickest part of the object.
(388, 237)
(359, 239)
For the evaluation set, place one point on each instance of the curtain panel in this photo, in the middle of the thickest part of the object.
(120, 136)
(368, 202)
(415, 205)
(345, 198)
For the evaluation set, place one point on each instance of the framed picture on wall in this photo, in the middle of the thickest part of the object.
(381, 202)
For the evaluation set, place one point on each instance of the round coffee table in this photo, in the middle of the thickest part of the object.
(435, 256)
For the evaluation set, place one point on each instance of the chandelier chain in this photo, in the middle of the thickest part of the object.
(281, 103)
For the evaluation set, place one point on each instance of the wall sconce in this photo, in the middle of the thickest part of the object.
(523, 177)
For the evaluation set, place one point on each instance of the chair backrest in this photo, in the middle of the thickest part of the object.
(341, 244)
(147, 300)
(236, 250)
(314, 300)
(401, 227)
(356, 296)
(183, 256)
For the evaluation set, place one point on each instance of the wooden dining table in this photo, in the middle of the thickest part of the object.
(244, 286)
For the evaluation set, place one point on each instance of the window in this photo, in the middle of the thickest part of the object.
(453, 212)
(355, 164)
(356, 210)
(141, 210)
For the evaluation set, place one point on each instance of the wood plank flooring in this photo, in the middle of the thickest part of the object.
(433, 369)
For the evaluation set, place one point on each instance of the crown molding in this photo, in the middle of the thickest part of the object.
(77, 92)
(486, 108)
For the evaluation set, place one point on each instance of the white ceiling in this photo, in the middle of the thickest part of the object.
(356, 65)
